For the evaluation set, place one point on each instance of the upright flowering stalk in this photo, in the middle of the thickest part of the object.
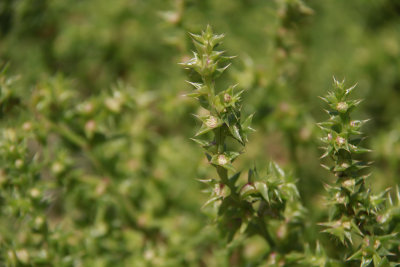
(223, 118)
(268, 203)
(354, 215)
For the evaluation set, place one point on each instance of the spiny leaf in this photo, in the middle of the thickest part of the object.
(263, 189)
(234, 130)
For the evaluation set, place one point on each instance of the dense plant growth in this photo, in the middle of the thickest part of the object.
(255, 206)
(267, 204)
(356, 212)
(96, 167)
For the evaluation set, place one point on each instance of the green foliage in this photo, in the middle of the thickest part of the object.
(354, 208)
(96, 167)
(242, 208)
(66, 188)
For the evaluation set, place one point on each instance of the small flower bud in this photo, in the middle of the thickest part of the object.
(339, 198)
(149, 254)
(27, 126)
(102, 186)
(284, 107)
(19, 163)
(344, 165)
(43, 254)
(90, 127)
(272, 258)
(172, 17)
(382, 218)
(113, 104)
(377, 244)
(11, 256)
(329, 136)
(10, 135)
(305, 134)
(142, 221)
(227, 98)
(218, 189)
(23, 256)
(340, 141)
(349, 183)
(39, 221)
(282, 231)
(222, 160)
(346, 225)
(342, 107)
(34, 192)
(212, 122)
(88, 107)
(57, 167)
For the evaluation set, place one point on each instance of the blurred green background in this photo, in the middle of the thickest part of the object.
(287, 52)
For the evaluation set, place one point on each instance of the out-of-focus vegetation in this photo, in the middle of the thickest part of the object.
(96, 165)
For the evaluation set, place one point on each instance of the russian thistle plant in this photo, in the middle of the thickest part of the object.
(267, 204)
(355, 211)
